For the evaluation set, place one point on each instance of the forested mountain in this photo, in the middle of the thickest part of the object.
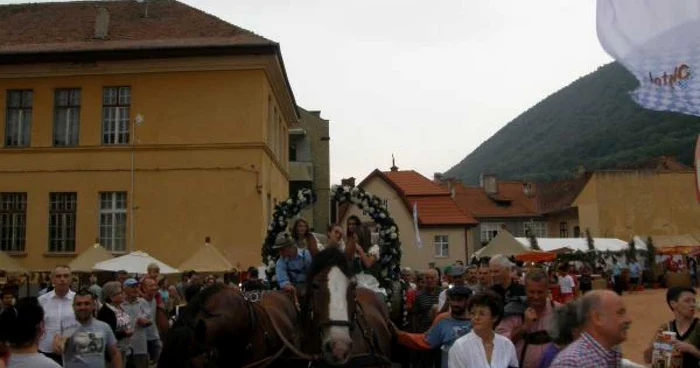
(591, 123)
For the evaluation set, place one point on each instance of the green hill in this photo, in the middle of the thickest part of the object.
(592, 122)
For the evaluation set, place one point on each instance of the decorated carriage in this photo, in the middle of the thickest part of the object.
(387, 231)
(225, 327)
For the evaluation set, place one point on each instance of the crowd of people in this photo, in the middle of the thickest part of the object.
(500, 315)
(489, 313)
(117, 324)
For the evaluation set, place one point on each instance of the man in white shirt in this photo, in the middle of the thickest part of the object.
(566, 285)
(59, 318)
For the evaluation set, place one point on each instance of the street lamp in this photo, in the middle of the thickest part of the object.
(137, 121)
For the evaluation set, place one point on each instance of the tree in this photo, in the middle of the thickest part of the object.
(533, 242)
(632, 250)
(651, 258)
(589, 241)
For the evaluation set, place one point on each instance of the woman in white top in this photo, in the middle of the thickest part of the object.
(482, 347)
(22, 327)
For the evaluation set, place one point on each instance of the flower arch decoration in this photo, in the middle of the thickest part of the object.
(373, 206)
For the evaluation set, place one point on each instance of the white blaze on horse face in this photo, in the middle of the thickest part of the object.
(338, 285)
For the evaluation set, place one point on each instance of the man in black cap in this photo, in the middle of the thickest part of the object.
(456, 274)
(446, 331)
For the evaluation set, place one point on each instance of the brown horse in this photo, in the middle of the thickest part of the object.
(222, 328)
(346, 324)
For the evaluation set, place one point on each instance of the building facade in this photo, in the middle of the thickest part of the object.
(625, 203)
(147, 133)
(443, 229)
(497, 205)
(309, 165)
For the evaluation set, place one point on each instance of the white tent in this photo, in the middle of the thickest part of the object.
(503, 243)
(601, 244)
(134, 262)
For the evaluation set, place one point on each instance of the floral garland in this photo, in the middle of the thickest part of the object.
(390, 256)
(283, 212)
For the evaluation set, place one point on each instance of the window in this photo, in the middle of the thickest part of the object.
(489, 230)
(116, 102)
(538, 228)
(563, 229)
(66, 120)
(577, 232)
(62, 217)
(269, 209)
(281, 139)
(18, 127)
(113, 221)
(13, 221)
(442, 246)
(292, 152)
(270, 117)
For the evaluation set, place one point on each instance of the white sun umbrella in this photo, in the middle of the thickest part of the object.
(134, 262)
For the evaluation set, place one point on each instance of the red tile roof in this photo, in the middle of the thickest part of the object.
(439, 210)
(435, 204)
(70, 26)
(411, 183)
(510, 201)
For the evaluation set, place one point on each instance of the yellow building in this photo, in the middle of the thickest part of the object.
(444, 230)
(621, 204)
(114, 114)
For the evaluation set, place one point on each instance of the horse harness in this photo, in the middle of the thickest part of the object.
(373, 358)
(251, 300)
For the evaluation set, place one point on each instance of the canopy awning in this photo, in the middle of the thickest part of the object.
(85, 262)
(207, 259)
(134, 262)
(537, 256)
(574, 244)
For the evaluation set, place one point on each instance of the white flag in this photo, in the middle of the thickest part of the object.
(659, 42)
(419, 243)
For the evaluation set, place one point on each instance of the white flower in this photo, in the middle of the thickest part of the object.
(382, 215)
(271, 264)
(269, 228)
(394, 236)
(290, 201)
(346, 188)
(392, 229)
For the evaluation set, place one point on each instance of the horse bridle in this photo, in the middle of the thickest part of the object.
(350, 323)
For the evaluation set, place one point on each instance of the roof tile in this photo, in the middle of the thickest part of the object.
(439, 210)
(476, 202)
(414, 184)
(69, 26)
(435, 204)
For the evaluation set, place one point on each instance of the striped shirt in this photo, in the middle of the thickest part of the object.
(422, 306)
(586, 352)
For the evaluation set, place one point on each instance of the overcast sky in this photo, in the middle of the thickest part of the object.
(426, 80)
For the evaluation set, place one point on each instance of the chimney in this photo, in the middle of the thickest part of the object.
(489, 183)
(451, 188)
(349, 182)
(438, 178)
(101, 23)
